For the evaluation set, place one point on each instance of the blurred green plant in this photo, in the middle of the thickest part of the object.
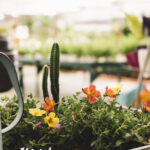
(77, 43)
(39, 26)
(135, 25)
(128, 44)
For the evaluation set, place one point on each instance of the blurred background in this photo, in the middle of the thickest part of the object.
(104, 34)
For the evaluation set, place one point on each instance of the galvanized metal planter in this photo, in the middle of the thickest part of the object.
(147, 147)
(14, 80)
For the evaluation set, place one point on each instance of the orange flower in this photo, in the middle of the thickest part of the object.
(145, 97)
(73, 115)
(49, 105)
(109, 92)
(146, 106)
(91, 93)
(149, 140)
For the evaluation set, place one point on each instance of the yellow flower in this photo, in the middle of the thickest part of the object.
(37, 112)
(117, 89)
(51, 120)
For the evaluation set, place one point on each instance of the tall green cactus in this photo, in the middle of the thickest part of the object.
(54, 71)
(54, 74)
(44, 82)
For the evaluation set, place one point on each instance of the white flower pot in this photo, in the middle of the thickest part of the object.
(142, 53)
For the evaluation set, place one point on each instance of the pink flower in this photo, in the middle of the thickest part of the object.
(39, 125)
(58, 126)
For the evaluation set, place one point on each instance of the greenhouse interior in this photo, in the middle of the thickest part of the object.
(74, 75)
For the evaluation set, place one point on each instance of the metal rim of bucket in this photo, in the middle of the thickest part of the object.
(5, 60)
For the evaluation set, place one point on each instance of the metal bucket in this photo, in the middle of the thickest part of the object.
(5, 83)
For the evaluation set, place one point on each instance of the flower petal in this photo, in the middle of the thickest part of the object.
(55, 121)
(93, 100)
(45, 105)
(92, 87)
(47, 100)
(117, 89)
(88, 97)
(46, 119)
(149, 140)
(86, 90)
(52, 115)
(58, 126)
(97, 94)
(36, 112)
(31, 111)
(147, 109)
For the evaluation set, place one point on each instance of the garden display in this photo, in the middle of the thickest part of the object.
(88, 120)
(122, 40)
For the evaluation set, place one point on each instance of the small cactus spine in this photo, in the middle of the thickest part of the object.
(54, 71)
(44, 82)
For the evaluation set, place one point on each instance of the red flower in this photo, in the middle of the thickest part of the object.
(109, 92)
(91, 93)
(49, 105)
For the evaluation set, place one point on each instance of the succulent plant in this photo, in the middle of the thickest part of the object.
(44, 81)
(54, 74)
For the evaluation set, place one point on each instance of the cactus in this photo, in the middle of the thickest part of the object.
(44, 81)
(54, 74)
(54, 71)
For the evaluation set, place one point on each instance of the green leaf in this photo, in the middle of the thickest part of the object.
(119, 142)
(135, 25)
(140, 138)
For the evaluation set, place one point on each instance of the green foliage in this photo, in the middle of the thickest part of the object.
(100, 47)
(135, 25)
(85, 126)
(44, 81)
(128, 44)
(39, 26)
(54, 71)
(95, 44)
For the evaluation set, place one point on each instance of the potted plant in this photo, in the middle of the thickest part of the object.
(87, 120)
(140, 30)
(77, 122)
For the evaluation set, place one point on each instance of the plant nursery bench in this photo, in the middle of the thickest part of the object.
(95, 69)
